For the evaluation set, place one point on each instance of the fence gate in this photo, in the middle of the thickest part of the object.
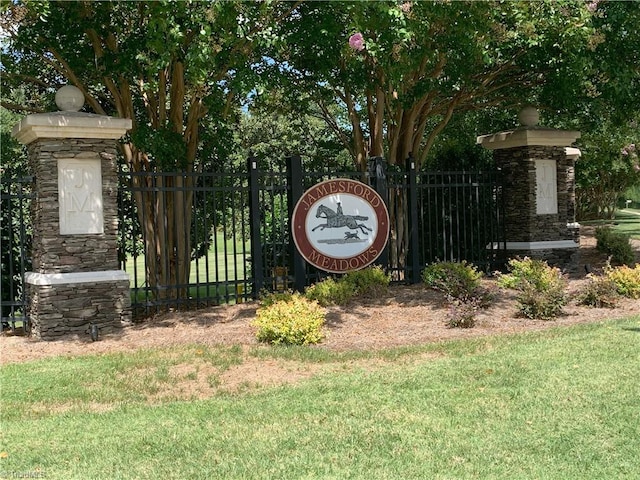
(435, 216)
(237, 225)
(15, 242)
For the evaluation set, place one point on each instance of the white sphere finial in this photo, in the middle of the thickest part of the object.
(529, 117)
(69, 99)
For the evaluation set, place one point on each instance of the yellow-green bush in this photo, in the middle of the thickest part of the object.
(459, 280)
(626, 279)
(368, 282)
(296, 321)
(541, 288)
(330, 292)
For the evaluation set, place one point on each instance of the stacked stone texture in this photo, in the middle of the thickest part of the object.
(65, 309)
(522, 223)
(70, 309)
(55, 253)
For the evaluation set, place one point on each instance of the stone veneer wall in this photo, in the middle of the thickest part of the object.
(55, 253)
(61, 309)
(522, 223)
(70, 309)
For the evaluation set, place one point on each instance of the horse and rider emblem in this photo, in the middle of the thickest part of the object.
(337, 219)
(340, 225)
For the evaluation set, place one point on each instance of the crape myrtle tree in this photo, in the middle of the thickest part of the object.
(170, 66)
(401, 70)
(611, 165)
(608, 113)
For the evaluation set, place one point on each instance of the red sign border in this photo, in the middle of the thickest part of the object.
(334, 264)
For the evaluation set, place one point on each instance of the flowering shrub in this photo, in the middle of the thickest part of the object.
(631, 152)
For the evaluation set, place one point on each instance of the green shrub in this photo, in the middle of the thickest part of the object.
(529, 272)
(541, 304)
(626, 280)
(462, 313)
(458, 280)
(368, 282)
(599, 292)
(269, 298)
(541, 287)
(615, 244)
(297, 321)
(330, 292)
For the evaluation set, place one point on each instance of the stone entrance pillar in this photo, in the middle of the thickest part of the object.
(539, 189)
(76, 287)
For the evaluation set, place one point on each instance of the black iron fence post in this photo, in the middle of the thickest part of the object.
(257, 271)
(295, 191)
(378, 181)
(414, 254)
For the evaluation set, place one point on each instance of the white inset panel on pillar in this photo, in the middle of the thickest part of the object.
(546, 187)
(80, 196)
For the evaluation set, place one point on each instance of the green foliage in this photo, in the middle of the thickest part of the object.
(458, 280)
(541, 288)
(462, 314)
(297, 321)
(539, 390)
(626, 280)
(541, 304)
(330, 292)
(269, 298)
(615, 244)
(608, 167)
(599, 292)
(368, 282)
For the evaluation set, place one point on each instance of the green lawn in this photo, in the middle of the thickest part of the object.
(558, 404)
(627, 221)
(227, 264)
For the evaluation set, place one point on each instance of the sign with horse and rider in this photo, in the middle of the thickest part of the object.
(340, 225)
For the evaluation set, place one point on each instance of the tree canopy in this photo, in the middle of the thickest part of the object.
(410, 66)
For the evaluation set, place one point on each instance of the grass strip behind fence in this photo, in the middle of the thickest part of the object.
(556, 404)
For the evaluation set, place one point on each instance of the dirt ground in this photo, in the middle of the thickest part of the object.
(406, 315)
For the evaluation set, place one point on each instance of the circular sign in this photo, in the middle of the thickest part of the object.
(340, 225)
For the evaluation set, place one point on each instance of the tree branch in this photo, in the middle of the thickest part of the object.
(16, 107)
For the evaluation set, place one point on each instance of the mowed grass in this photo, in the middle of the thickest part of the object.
(225, 261)
(627, 221)
(558, 404)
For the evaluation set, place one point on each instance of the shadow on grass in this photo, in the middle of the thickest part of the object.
(632, 329)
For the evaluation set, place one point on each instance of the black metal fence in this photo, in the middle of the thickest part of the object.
(184, 238)
(15, 242)
(190, 240)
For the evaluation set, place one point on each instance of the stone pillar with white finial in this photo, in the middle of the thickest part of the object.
(537, 166)
(76, 287)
